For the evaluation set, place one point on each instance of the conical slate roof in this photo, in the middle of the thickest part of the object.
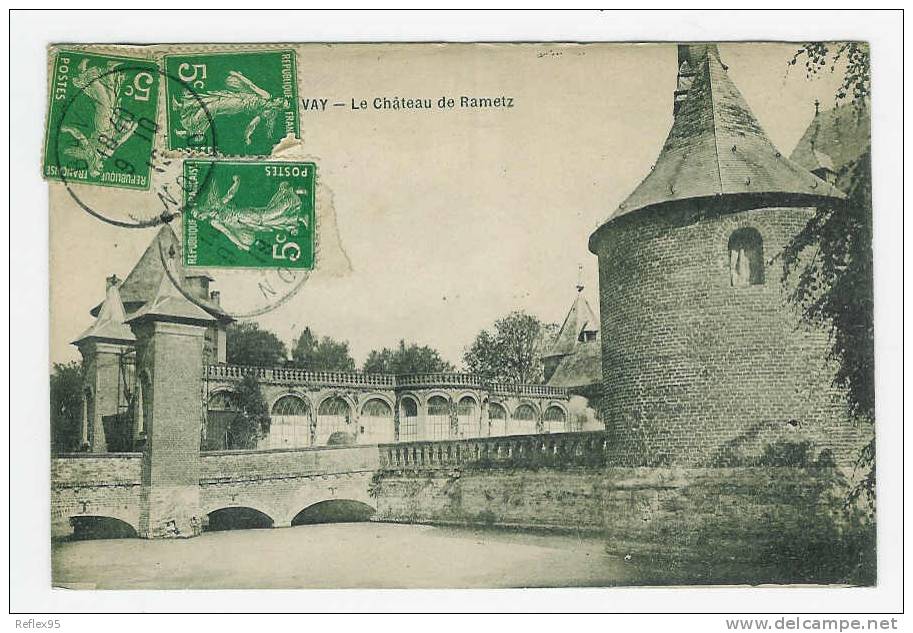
(716, 147)
(142, 284)
(837, 136)
(109, 325)
(579, 318)
(581, 368)
(170, 305)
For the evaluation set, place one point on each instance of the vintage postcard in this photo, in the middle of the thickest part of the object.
(461, 315)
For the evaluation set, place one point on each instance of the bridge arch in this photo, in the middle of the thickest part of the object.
(101, 526)
(237, 518)
(334, 511)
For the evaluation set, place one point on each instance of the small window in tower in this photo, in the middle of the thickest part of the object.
(746, 258)
(587, 336)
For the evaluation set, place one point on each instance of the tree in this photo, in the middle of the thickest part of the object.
(247, 344)
(407, 359)
(829, 263)
(66, 406)
(827, 55)
(252, 421)
(512, 352)
(322, 354)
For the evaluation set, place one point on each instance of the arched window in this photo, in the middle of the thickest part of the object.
(555, 420)
(408, 420)
(498, 416)
(221, 410)
(524, 420)
(468, 417)
(376, 422)
(290, 424)
(333, 416)
(438, 418)
(746, 258)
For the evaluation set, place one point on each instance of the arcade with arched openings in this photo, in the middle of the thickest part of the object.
(334, 417)
(523, 420)
(290, 423)
(438, 419)
(376, 422)
(468, 421)
(497, 416)
(408, 419)
(221, 409)
(554, 420)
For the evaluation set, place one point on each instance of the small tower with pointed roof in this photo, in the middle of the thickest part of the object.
(104, 346)
(706, 358)
(572, 360)
(170, 335)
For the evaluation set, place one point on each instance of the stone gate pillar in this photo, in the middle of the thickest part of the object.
(170, 335)
(102, 347)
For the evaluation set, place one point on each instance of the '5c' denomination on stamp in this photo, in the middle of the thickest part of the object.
(249, 214)
(251, 98)
(101, 119)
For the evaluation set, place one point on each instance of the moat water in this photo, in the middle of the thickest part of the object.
(342, 555)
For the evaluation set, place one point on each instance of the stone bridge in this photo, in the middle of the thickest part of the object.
(277, 485)
(284, 487)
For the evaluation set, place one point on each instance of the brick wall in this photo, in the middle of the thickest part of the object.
(568, 499)
(87, 485)
(695, 371)
(765, 524)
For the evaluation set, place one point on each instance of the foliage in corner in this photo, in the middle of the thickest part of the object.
(827, 268)
(66, 406)
(252, 421)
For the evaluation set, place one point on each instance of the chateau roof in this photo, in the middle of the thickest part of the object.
(579, 318)
(142, 284)
(716, 147)
(110, 324)
(170, 305)
(838, 136)
(580, 368)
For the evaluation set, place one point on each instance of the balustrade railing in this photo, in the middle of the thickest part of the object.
(584, 448)
(386, 381)
(298, 376)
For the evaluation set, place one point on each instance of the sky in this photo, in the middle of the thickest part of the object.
(434, 223)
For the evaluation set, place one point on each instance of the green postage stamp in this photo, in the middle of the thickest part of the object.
(234, 104)
(101, 119)
(249, 214)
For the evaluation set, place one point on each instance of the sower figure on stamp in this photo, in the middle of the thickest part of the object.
(110, 130)
(240, 224)
(241, 96)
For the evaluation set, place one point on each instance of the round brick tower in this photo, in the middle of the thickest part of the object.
(704, 361)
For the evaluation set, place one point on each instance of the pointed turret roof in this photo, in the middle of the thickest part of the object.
(580, 318)
(716, 147)
(142, 284)
(110, 325)
(837, 136)
(169, 304)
